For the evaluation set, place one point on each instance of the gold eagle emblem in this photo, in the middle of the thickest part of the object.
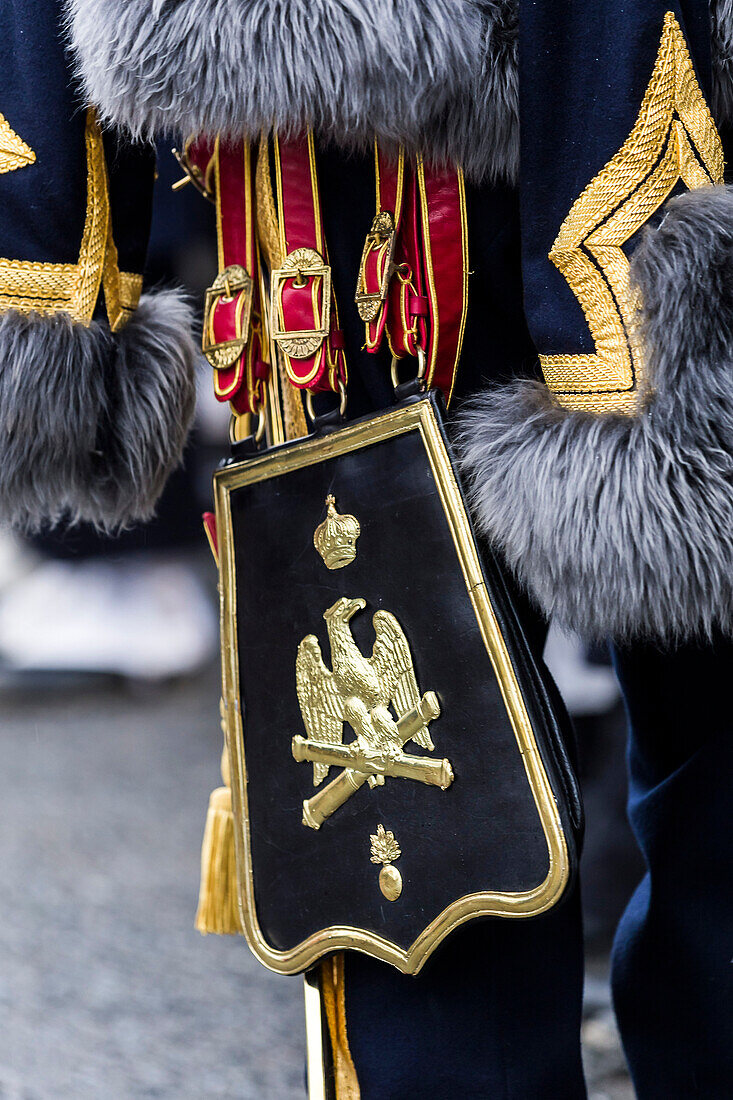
(377, 696)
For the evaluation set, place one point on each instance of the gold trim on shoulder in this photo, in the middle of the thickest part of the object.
(74, 288)
(674, 139)
(14, 152)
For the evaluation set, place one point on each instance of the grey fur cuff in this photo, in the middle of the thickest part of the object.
(438, 77)
(620, 526)
(92, 423)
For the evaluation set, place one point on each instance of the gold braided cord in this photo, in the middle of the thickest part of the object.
(267, 222)
(268, 234)
(111, 283)
(74, 288)
(674, 139)
(96, 227)
(122, 290)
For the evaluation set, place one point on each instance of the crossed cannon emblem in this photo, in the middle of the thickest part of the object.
(359, 690)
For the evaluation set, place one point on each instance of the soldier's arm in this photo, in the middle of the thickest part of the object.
(608, 483)
(96, 377)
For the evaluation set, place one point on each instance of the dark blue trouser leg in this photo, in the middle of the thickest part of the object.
(673, 956)
(494, 1015)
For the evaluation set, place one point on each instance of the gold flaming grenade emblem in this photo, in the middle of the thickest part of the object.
(335, 538)
(386, 850)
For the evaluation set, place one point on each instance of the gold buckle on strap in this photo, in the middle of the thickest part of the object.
(231, 283)
(382, 232)
(301, 265)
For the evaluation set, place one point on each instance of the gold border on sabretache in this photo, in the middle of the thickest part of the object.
(338, 938)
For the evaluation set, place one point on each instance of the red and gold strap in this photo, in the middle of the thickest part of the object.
(304, 314)
(413, 278)
(376, 269)
(233, 340)
(407, 305)
(445, 258)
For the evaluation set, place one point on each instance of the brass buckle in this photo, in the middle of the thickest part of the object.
(382, 232)
(232, 282)
(193, 174)
(301, 264)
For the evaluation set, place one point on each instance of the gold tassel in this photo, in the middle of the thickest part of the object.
(218, 911)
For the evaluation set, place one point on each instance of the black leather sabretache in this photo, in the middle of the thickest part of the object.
(500, 839)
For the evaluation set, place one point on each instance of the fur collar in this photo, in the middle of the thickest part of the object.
(438, 77)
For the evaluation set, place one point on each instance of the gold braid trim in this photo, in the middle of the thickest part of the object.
(268, 233)
(674, 139)
(74, 288)
(121, 290)
(44, 281)
(267, 223)
(96, 226)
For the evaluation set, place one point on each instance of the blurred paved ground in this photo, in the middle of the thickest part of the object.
(106, 992)
(105, 988)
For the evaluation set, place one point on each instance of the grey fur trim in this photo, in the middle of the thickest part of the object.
(721, 18)
(481, 132)
(91, 423)
(439, 77)
(623, 526)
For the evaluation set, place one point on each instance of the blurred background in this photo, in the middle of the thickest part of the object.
(109, 702)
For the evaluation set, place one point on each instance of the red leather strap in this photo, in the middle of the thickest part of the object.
(427, 283)
(304, 312)
(407, 310)
(233, 339)
(445, 257)
(376, 270)
(236, 314)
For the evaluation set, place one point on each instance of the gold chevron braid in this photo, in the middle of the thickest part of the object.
(14, 153)
(674, 139)
(74, 288)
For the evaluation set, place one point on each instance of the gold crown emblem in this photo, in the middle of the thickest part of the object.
(335, 538)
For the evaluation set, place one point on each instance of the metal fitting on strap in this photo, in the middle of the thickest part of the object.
(232, 286)
(192, 173)
(381, 240)
(300, 270)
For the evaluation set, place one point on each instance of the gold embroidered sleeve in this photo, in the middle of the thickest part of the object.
(673, 140)
(73, 288)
